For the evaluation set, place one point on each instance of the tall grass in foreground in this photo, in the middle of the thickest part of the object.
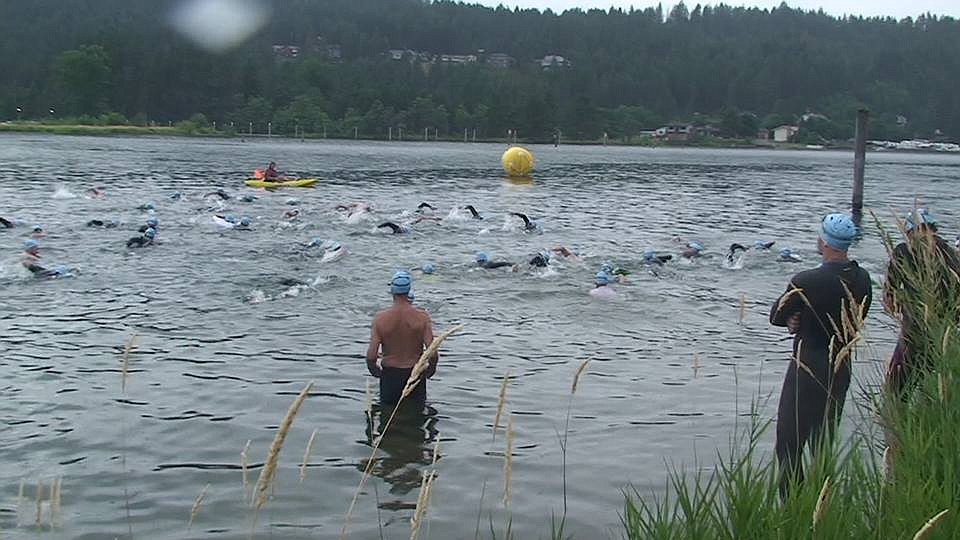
(849, 491)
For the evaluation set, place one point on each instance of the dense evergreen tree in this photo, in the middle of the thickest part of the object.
(623, 71)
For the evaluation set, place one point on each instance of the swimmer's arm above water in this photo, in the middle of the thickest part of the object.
(373, 352)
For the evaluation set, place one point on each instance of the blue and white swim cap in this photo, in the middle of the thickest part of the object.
(245, 221)
(401, 283)
(696, 246)
(602, 278)
(482, 257)
(838, 231)
(153, 222)
(31, 245)
(786, 253)
(607, 267)
(919, 217)
(428, 268)
(150, 233)
(649, 255)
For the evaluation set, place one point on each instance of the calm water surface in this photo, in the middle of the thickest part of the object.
(225, 341)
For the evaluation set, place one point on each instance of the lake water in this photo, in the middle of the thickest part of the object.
(226, 339)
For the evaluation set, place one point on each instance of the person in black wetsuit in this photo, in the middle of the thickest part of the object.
(425, 207)
(473, 211)
(7, 224)
(528, 224)
(483, 261)
(734, 249)
(109, 224)
(813, 309)
(396, 229)
(924, 261)
(540, 260)
(142, 241)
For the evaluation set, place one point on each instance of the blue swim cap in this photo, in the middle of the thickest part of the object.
(759, 244)
(153, 222)
(786, 253)
(37, 228)
(696, 246)
(606, 268)
(401, 283)
(31, 245)
(230, 219)
(602, 278)
(176, 195)
(150, 233)
(245, 221)
(546, 255)
(482, 257)
(411, 296)
(918, 217)
(649, 254)
(149, 206)
(428, 268)
(838, 231)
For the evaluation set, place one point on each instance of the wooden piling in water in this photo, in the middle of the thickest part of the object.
(859, 162)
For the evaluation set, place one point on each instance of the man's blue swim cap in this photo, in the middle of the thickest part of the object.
(428, 268)
(245, 221)
(786, 253)
(31, 245)
(649, 254)
(401, 283)
(230, 218)
(482, 257)
(602, 278)
(150, 233)
(153, 222)
(606, 267)
(838, 231)
(759, 244)
(149, 205)
(696, 246)
(919, 217)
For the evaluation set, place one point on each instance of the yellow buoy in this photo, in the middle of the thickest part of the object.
(517, 161)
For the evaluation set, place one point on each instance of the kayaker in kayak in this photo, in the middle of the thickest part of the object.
(271, 174)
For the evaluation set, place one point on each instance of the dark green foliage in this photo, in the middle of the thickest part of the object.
(630, 70)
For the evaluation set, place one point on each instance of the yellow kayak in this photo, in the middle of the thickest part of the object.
(300, 182)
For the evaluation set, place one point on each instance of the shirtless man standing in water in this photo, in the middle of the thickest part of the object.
(402, 332)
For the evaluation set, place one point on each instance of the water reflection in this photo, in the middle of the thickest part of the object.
(405, 452)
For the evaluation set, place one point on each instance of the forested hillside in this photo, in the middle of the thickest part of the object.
(621, 71)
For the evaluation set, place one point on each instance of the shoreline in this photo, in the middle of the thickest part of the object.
(181, 132)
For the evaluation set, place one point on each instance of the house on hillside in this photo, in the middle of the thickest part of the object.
(500, 60)
(685, 132)
(458, 59)
(286, 51)
(782, 134)
(552, 61)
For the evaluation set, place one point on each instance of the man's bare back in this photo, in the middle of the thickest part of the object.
(402, 332)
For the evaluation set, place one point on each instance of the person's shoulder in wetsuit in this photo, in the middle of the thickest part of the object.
(6, 223)
(142, 241)
(813, 302)
(483, 261)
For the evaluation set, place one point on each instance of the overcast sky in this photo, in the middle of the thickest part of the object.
(895, 8)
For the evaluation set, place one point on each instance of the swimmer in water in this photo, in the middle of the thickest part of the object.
(787, 255)
(31, 261)
(291, 215)
(566, 253)
(528, 225)
(147, 206)
(650, 257)
(111, 224)
(96, 192)
(396, 229)
(734, 249)
(424, 208)
(37, 232)
(602, 288)
(760, 245)
(220, 194)
(428, 269)
(540, 260)
(142, 241)
(177, 196)
(473, 211)
(152, 223)
(244, 223)
(483, 261)
(248, 198)
(693, 250)
(7, 224)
